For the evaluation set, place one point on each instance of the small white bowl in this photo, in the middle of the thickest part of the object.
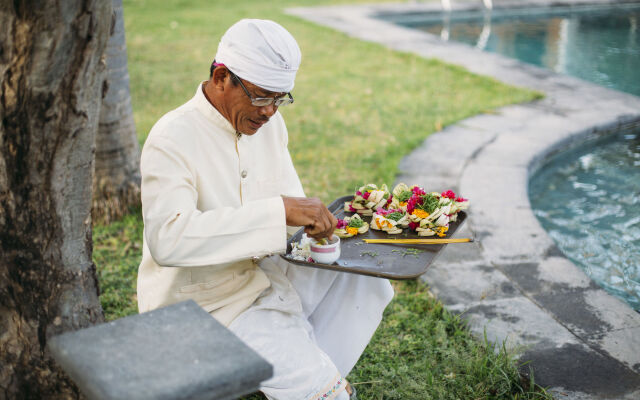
(327, 253)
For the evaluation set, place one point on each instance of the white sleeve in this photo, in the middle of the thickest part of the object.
(178, 234)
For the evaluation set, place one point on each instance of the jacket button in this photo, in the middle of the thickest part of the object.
(243, 173)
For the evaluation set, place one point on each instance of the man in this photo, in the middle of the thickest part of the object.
(218, 192)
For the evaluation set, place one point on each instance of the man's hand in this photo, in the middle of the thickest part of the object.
(318, 222)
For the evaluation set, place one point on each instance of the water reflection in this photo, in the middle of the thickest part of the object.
(602, 47)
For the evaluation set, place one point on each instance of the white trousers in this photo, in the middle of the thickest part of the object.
(312, 325)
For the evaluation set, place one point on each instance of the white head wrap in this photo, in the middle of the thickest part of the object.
(261, 52)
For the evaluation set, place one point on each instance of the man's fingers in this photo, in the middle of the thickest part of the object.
(310, 213)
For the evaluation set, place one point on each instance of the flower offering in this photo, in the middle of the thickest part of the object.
(351, 226)
(400, 196)
(430, 213)
(390, 220)
(367, 199)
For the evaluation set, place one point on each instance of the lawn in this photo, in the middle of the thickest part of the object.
(359, 109)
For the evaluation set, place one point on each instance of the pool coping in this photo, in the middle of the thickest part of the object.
(513, 283)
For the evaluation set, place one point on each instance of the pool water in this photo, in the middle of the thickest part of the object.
(588, 200)
(601, 45)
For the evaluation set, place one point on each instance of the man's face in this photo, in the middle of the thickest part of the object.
(244, 116)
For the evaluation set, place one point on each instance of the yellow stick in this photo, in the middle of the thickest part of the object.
(418, 241)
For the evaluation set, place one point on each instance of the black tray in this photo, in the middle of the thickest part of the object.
(391, 261)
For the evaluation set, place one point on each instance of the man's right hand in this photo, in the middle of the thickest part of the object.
(317, 220)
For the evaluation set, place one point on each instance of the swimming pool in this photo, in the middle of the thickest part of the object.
(588, 200)
(594, 43)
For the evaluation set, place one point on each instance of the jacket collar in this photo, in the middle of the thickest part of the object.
(210, 112)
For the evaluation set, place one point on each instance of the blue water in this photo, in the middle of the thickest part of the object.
(588, 200)
(598, 45)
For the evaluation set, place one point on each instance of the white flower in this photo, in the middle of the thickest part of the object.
(443, 220)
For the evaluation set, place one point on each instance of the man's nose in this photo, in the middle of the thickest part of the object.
(269, 110)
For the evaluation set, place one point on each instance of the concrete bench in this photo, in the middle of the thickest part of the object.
(176, 352)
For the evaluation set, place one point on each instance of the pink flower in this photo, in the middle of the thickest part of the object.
(449, 194)
(351, 209)
(460, 199)
(389, 199)
(359, 193)
(415, 199)
(418, 190)
(366, 195)
(413, 225)
(341, 224)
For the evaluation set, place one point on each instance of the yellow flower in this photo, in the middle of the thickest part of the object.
(403, 203)
(420, 213)
(351, 230)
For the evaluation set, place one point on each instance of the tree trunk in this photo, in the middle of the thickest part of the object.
(51, 76)
(116, 185)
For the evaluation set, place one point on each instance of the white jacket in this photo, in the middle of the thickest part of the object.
(211, 204)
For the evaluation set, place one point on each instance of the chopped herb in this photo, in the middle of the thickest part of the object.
(395, 216)
(430, 203)
(356, 222)
(369, 253)
(369, 188)
(404, 196)
(408, 252)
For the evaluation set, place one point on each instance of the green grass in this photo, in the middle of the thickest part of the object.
(359, 106)
(359, 109)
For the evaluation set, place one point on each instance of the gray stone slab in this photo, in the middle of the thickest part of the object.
(622, 344)
(574, 371)
(574, 300)
(516, 322)
(467, 283)
(177, 352)
(497, 187)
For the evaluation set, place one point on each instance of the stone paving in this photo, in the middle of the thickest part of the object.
(513, 283)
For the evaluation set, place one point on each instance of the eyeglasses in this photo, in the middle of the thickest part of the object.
(264, 101)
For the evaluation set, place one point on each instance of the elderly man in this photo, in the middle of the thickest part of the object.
(220, 193)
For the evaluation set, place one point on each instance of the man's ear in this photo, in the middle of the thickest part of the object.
(219, 75)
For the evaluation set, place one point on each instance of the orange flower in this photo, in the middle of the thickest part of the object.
(403, 203)
(351, 230)
(420, 213)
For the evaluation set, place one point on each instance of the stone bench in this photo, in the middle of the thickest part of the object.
(176, 352)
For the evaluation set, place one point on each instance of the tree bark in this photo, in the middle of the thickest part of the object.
(116, 185)
(51, 76)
